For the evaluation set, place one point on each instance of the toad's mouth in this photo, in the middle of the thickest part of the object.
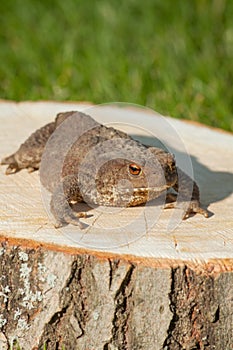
(126, 196)
(148, 189)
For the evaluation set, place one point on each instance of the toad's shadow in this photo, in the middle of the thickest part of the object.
(214, 185)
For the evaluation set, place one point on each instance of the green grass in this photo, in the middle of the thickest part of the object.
(174, 56)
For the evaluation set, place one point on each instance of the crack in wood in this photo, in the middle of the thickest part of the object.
(70, 306)
(195, 309)
(122, 311)
(171, 327)
(113, 266)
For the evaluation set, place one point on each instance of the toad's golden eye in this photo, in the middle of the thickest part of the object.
(134, 169)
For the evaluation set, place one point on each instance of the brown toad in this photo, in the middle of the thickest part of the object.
(82, 160)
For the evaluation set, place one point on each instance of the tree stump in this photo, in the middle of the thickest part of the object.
(148, 288)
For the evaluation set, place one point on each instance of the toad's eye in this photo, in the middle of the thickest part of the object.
(134, 169)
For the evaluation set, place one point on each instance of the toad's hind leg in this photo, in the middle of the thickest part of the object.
(12, 164)
(30, 152)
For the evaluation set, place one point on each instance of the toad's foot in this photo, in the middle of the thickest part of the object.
(62, 211)
(12, 164)
(31, 169)
(193, 208)
(71, 218)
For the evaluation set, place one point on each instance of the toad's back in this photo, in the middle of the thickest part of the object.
(76, 134)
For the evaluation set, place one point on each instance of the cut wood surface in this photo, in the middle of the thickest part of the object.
(135, 278)
(23, 213)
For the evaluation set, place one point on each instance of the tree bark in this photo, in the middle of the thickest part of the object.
(87, 301)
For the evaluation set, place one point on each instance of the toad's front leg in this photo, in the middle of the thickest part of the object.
(66, 192)
(188, 193)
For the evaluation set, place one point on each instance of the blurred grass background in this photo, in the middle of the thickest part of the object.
(173, 56)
